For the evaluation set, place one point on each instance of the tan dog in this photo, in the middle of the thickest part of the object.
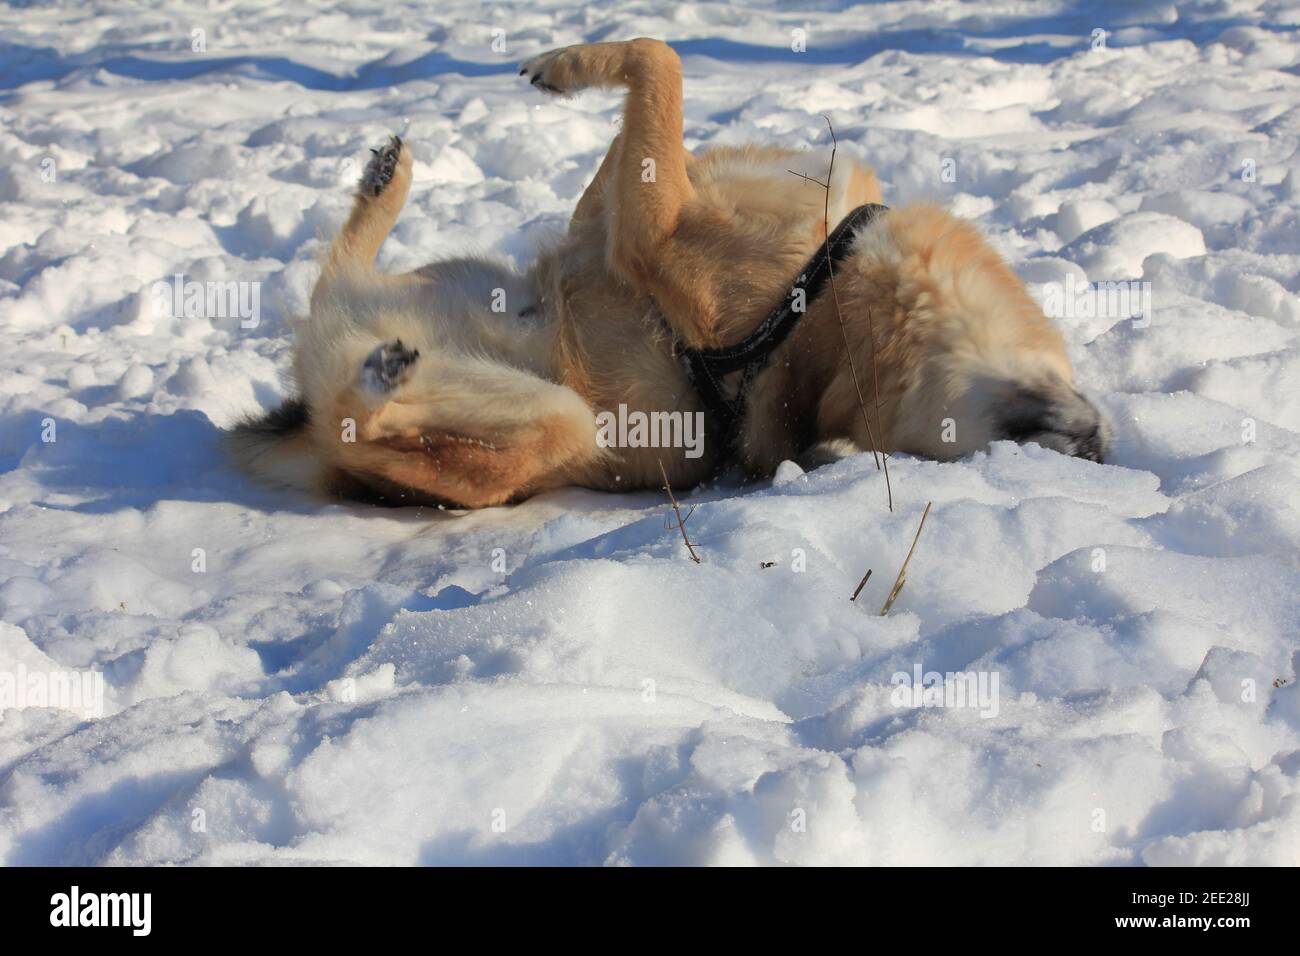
(469, 384)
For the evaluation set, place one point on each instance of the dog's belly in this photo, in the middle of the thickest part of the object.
(616, 351)
(648, 414)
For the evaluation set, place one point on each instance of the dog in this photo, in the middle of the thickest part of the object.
(470, 384)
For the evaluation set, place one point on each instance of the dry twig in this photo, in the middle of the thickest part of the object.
(681, 522)
(861, 584)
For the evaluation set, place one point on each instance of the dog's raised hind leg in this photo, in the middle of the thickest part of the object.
(643, 187)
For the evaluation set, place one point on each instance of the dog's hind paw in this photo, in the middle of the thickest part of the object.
(547, 72)
(388, 366)
(383, 164)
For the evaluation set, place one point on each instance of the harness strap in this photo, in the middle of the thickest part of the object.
(705, 368)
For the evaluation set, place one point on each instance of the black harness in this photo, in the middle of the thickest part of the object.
(705, 368)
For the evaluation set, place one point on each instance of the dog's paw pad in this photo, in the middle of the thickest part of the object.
(388, 366)
(379, 171)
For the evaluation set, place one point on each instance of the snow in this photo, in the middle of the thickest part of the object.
(287, 681)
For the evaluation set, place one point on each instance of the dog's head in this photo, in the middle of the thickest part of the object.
(964, 356)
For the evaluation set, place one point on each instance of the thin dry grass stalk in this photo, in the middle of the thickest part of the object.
(877, 451)
(902, 572)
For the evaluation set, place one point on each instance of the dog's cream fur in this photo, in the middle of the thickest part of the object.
(412, 388)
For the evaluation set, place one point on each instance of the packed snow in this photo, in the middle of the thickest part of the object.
(266, 679)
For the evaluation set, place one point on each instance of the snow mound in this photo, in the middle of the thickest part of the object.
(1117, 248)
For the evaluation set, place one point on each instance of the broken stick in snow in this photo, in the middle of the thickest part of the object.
(861, 584)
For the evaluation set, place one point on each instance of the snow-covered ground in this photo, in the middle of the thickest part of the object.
(288, 681)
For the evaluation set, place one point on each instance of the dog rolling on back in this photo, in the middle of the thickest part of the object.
(470, 384)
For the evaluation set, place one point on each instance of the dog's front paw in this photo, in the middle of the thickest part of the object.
(383, 164)
(388, 366)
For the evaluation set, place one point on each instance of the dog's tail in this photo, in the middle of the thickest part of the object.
(275, 448)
